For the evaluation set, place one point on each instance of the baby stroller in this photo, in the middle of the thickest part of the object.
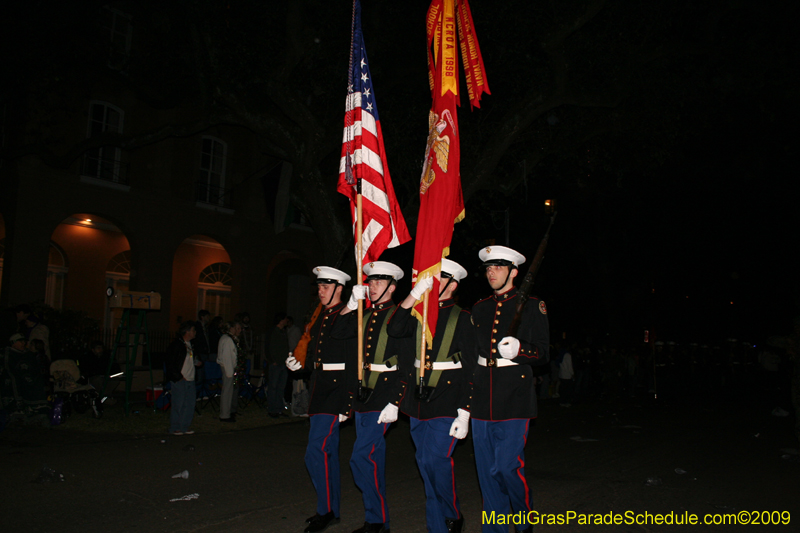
(71, 391)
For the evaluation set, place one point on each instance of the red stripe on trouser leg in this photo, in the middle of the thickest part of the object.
(325, 455)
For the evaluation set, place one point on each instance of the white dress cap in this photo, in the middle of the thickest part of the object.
(330, 275)
(456, 271)
(383, 270)
(499, 254)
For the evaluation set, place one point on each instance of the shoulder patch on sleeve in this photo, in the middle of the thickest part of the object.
(542, 308)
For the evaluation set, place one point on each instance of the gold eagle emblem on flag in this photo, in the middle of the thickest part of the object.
(438, 146)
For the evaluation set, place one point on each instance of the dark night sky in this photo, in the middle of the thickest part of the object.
(713, 223)
(695, 198)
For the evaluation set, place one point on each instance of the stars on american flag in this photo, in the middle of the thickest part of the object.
(362, 85)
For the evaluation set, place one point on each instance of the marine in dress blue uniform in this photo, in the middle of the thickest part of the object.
(385, 360)
(439, 413)
(503, 387)
(331, 398)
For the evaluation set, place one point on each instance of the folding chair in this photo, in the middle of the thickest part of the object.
(210, 389)
(249, 392)
(259, 390)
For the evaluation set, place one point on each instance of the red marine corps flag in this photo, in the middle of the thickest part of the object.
(441, 202)
(363, 171)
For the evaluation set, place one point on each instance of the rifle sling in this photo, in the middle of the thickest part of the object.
(444, 349)
(371, 378)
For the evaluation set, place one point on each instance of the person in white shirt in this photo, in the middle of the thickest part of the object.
(227, 354)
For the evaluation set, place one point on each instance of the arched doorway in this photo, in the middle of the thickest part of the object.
(57, 269)
(89, 242)
(214, 290)
(201, 279)
(118, 277)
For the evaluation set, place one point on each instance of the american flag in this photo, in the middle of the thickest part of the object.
(364, 158)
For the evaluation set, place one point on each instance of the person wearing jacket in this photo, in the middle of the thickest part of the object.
(504, 387)
(386, 363)
(331, 396)
(439, 412)
(180, 366)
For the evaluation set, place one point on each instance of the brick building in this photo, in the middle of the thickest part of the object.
(202, 218)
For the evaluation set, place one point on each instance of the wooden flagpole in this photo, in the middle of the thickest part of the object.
(423, 343)
(360, 278)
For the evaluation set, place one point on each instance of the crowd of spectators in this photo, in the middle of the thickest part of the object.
(578, 371)
(24, 373)
(669, 371)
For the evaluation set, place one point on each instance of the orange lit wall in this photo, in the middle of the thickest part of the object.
(88, 252)
(189, 261)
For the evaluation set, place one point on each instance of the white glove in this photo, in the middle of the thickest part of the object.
(343, 418)
(292, 363)
(421, 287)
(460, 426)
(508, 347)
(389, 414)
(359, 292)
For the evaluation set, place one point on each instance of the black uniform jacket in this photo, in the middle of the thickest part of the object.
(509, 392)
(453, 388)
(331, 391)
(390, 386)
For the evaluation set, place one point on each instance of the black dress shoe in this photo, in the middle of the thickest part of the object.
(231, 419)
(372, 528)
(454, 525)
(320, 522)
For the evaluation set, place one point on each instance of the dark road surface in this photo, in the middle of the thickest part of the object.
(255, 480)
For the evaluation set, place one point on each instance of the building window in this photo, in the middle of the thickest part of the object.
(56, 278)
(211, 177)
(214, 290)
(105, 162)
(117, 26)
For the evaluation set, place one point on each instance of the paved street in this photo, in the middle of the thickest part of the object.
(591, 458)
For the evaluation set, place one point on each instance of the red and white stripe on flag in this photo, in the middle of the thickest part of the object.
(383, 225)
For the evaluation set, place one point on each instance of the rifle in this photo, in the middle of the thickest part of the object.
(527, 283)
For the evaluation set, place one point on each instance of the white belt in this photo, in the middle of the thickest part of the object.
(380, 368)
(498, 362)
(332, 366)
(443, 365)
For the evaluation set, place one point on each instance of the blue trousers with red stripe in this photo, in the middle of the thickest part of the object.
(500, 460)
(322, 462)
(435, 448)
(368, 464)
